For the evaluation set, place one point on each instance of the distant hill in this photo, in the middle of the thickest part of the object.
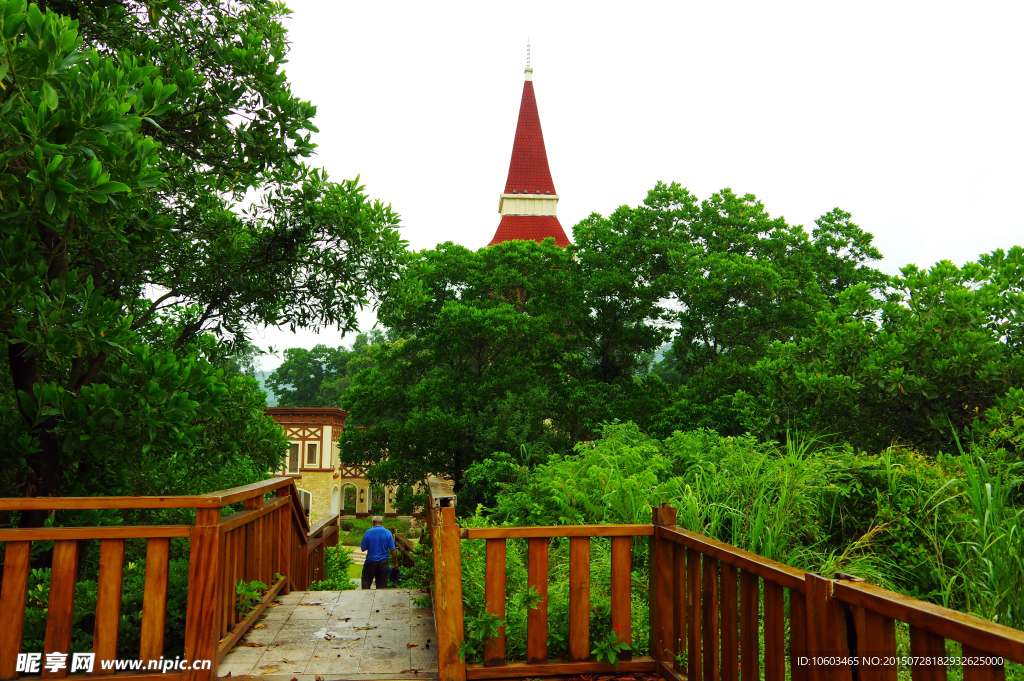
(261, 376)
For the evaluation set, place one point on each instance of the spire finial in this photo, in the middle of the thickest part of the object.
(527, 52)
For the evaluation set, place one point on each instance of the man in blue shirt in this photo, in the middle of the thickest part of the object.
(377, 542)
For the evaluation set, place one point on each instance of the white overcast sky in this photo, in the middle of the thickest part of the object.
(906, 114)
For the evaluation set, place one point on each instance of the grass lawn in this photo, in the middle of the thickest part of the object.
(354, 571)
(356, 528)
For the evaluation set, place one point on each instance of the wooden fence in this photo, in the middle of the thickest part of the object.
(717, 613)
(268, 541)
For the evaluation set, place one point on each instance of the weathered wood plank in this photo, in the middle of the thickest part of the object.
(108, 604)
(201, 617)
(926, 646)
(876, 642)
(679, 608)
(709, 618)
(494, 598)
(12, 605)
(750, 638)
(75, 533)
(154, 600)
(663, 637)
(774, 633)
(981, 672)
(693, 619)
(730, 624)
(973, 631)
(448, 584)
(557, 531)
(780, 573)
(61, 606)
(621, 586)
(797, 636)
(537, 618)
(579, 599)
(524, 670)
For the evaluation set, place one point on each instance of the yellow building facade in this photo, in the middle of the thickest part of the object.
(314, 462)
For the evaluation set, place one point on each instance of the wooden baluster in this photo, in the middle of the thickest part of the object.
(284, 524)
(976, 672)
(621, 596)
(730, 625)
(494, 597)
(61, 605)
(200, 619)
(241, 540)
(154, 600)
(925, 644)
(876, 637)
(663, 638)
(579, 599)
(225, 616)
(12, 605)
(660, 591)
(679, 607)
(750, 639)
(693, 609)
(537, 618)
(797, 635)
(108, 604)
(709, 618)
(774, 633)
(252, 543)
(448, 594)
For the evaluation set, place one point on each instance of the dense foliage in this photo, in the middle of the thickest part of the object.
(939, 528)
(130, 135)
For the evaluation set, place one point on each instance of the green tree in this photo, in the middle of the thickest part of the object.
(740, 280)
(319, 377)
(480, 335)
(122, 150)
(940, 355)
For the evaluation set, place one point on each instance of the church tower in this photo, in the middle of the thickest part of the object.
(527, 205)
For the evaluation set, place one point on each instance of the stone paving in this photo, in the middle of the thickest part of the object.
(366, 634)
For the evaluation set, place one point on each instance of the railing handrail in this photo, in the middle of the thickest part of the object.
(951, 624)
(315, 530)
(766, 568)
(556, 531)
(211, 500)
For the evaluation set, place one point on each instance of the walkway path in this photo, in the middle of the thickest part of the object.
(339, 635)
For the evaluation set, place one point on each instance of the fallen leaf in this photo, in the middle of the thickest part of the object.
(317, 604)
(269, 669)
(318, 678)
(260, 626)
(406, 671)
(250, 644)
(227, 675)
(364, 628)
(412, 645)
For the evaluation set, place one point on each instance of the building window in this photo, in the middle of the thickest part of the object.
(293, 458)
(310, 454)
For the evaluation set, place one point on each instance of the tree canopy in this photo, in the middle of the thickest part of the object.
(129, 135)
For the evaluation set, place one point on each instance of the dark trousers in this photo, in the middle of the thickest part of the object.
(376, 570)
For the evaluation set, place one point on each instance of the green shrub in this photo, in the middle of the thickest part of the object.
(337, 562)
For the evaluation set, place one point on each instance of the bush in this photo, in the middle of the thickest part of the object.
(337, 561)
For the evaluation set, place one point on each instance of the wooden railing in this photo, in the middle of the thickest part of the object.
(267, 541)
(717, 613)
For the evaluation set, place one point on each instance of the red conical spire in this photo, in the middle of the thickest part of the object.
(527, 206)
(528, 171)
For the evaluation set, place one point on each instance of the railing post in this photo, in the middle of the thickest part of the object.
(201, 627)
(663, 644)
(826, 630)
(447, 594)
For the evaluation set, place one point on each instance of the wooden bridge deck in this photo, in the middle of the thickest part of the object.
(358, 634)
